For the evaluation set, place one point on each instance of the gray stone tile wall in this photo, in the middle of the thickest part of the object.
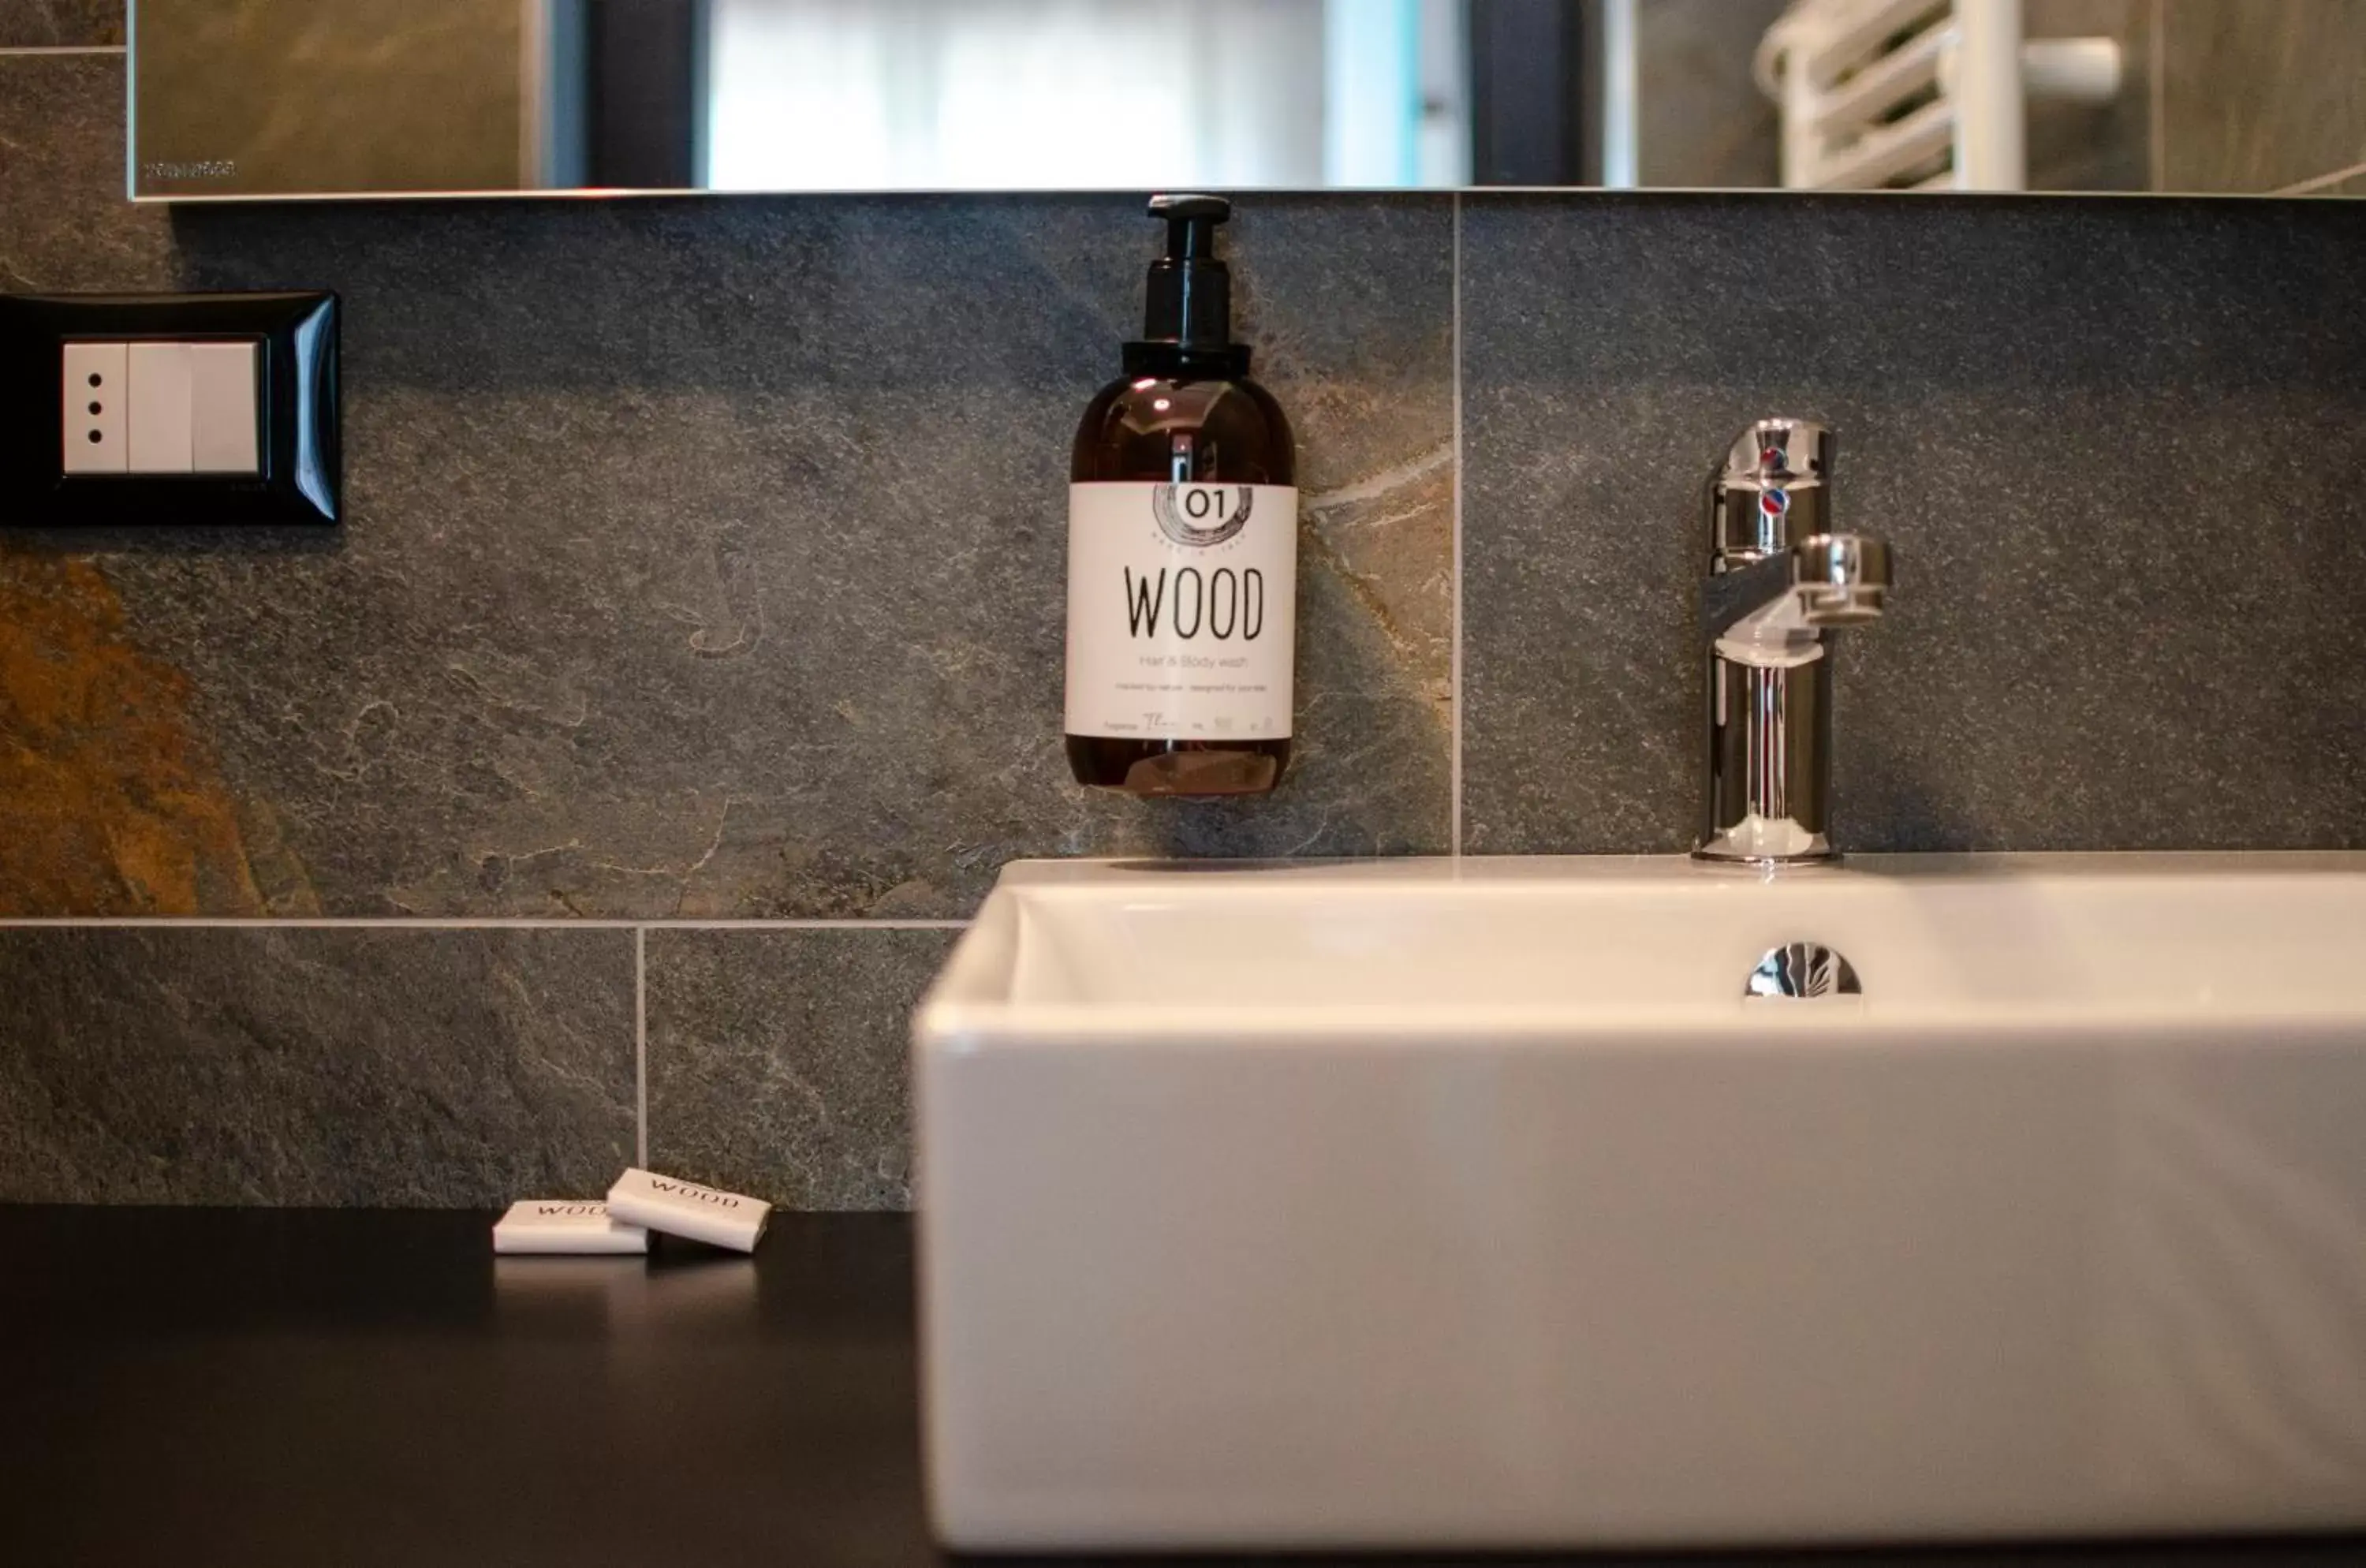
(301, 1065)
(703, 557)
(704, 561)
(777, 1060)
(2102, 438)
(61, 24)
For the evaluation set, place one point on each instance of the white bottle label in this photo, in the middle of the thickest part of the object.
(1182, 610)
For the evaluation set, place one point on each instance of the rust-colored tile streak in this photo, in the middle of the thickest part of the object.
(109, 803)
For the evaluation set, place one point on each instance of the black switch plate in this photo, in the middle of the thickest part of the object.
(299, 478)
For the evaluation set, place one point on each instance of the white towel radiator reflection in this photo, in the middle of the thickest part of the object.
(1926, 94)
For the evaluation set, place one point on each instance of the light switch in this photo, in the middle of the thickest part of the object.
(188, 410)
(94, 393)
(159, 418)
(223, 416)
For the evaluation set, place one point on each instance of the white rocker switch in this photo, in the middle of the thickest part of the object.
(224, 415)
(159, 420)
(193, 407)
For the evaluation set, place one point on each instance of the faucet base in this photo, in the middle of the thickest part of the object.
(1769, 761)
(1755, 841)
(1708, 856)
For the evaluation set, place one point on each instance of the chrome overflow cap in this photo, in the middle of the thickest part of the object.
(1802, 969)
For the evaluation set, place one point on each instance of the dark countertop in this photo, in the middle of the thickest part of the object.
(266, 1387)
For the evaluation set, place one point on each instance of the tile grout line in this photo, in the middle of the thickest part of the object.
(641, 1045)
(1454, 660)
(46, 51)
(456, 923)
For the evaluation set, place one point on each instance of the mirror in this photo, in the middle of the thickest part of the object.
(253, 98)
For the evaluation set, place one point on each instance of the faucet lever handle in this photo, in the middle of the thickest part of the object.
(1773, 489)
(1781, 451)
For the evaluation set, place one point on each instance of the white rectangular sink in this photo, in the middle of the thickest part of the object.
(1478, 1204)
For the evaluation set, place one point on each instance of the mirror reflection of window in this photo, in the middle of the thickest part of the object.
(881, 94)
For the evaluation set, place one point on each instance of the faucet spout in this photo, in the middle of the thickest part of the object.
(1771, 614)
(1842, 580)
(1780, 581)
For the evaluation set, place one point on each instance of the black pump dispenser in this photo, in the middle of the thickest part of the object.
(1187, 318)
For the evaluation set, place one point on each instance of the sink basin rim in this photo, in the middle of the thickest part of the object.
(969, 1006)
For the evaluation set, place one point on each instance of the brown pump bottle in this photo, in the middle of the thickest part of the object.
(1182, 571)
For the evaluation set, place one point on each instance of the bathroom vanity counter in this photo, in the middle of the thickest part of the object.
(257, 1388)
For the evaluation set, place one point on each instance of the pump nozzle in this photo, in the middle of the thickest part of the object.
(1190, 303)
(1190, 223)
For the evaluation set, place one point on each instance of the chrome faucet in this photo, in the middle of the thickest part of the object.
(1778, 581)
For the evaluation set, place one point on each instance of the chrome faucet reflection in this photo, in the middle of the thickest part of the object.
(1779, 581)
